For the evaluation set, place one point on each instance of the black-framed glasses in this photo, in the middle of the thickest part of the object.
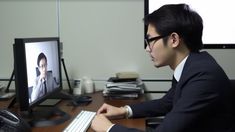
(148, 41)
(43, 66)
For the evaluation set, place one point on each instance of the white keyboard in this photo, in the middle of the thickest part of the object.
(81, 122)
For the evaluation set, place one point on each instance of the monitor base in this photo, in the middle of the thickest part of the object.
(61, 95)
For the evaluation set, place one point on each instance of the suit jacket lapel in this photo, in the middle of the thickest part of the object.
(183, 79)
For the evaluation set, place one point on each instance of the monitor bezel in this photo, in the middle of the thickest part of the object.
(20, 69)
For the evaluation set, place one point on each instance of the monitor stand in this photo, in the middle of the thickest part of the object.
(6, 94)
(62, 95)
(45, 116)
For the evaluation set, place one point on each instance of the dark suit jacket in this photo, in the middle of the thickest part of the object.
(202, 100)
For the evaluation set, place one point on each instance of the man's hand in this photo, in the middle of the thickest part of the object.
(42, 77)
(111, 111)
(100, 123)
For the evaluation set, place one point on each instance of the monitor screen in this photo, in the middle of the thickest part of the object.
(218, 25)
(37, 70)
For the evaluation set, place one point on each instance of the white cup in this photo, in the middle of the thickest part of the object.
(77, 90)
(88, 85)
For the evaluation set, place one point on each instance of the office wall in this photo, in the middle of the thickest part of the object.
(100, 37)
(106, 37)
(23, 18)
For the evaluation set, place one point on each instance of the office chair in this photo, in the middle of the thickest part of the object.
(152, 123)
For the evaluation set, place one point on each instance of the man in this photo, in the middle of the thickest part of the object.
(45, 82)
(201, 96)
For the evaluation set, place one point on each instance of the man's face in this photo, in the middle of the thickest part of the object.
(160, 53)
(43, 67)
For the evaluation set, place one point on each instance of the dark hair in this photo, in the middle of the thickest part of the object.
(181, 19)
(40, 57)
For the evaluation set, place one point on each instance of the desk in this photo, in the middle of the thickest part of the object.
(98, 100)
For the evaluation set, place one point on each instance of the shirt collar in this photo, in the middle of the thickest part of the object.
(179, 69)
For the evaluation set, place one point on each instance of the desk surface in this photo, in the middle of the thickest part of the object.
(98, 100)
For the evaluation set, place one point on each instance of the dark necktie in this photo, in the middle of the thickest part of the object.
(174, 82)
(45, 87)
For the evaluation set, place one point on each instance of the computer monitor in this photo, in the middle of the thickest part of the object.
(37, 70)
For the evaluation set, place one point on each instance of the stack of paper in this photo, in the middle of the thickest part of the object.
(123, 88)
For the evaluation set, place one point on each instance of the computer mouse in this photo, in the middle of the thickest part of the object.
(81, 100)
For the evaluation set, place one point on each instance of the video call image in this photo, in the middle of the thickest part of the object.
(42, 68)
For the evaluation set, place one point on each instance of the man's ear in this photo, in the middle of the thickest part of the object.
(175, 39)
